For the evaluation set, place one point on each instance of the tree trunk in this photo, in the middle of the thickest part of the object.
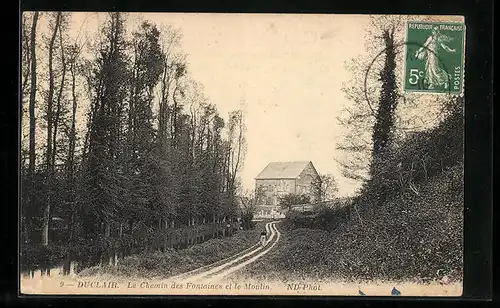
(70, 164)
(49, 166)
(59, 98)
(72, 136)
(27, 56)
(32, 102)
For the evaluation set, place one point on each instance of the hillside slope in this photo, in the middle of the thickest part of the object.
(415, 238)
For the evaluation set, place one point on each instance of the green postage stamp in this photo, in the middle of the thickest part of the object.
(434, 57)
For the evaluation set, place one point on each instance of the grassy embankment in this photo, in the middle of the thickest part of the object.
(173, 262)
(415, 239)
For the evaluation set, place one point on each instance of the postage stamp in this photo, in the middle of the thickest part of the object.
(434, 60)
(241, 154)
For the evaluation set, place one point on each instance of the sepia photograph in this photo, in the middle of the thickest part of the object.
(241, 154)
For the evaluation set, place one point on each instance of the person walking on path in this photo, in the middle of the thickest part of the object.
(263, 238)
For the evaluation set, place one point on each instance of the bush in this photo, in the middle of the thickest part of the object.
(246, 221)
(37, 256)
(172, 262)
(322, 217)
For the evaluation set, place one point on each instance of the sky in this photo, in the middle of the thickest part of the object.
(284, 71)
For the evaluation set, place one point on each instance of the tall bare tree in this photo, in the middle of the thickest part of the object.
(30, 204)
(237, 146)
(59, 107)
(50, 122)
(170, 44)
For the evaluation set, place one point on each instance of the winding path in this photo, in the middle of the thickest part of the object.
(218, 270)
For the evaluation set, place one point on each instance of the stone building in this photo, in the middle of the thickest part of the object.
(281, 178)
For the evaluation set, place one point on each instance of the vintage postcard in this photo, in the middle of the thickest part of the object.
(241, 154)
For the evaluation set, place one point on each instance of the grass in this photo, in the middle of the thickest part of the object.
(173, 262)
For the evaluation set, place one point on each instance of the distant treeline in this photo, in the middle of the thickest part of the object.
(150, 154)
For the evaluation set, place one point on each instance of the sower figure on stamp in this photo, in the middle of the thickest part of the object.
(435, 73)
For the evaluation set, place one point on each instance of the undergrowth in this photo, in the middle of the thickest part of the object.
(172, 262)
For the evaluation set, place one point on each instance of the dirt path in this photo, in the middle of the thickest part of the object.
(219, 273)
(219, 270)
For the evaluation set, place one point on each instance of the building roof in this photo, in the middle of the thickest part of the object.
(283, 170)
